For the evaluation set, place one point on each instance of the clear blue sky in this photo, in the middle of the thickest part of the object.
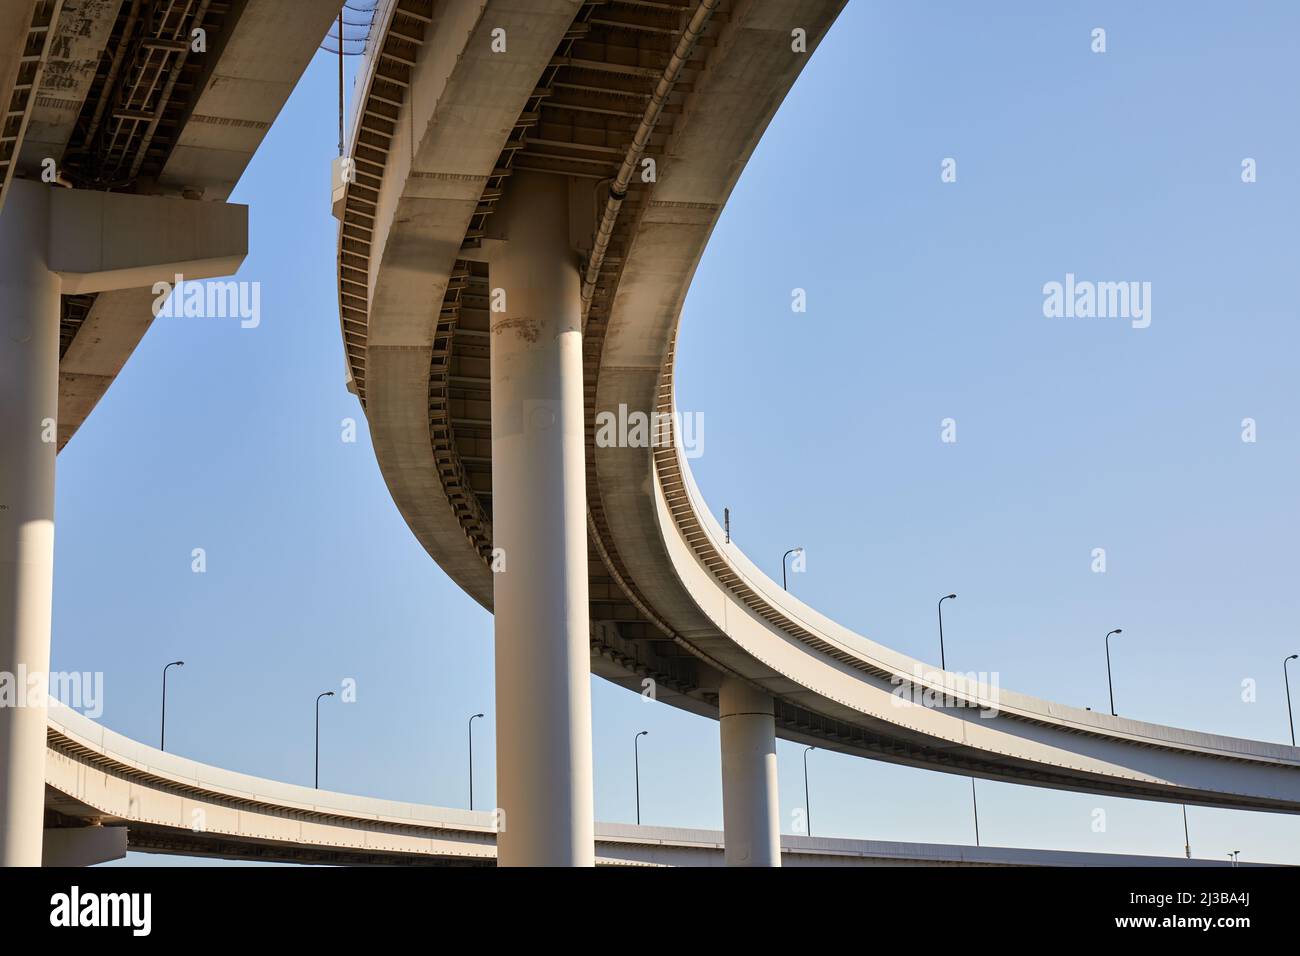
(822, 430)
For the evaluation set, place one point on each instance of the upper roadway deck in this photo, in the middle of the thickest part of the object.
(589, 88)
(114, 94)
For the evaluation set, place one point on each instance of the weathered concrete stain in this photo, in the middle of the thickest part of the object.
(528, 329)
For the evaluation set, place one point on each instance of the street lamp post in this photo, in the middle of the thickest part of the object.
(807, 805)
(328, 693)
(1187, 840)
(784, 584)
(1109, 683)
(1287, 677)
(636, 763)
(1232, 855)
(162, 733)
(471, 759)
(943, 664)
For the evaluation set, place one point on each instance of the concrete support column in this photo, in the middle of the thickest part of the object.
(750, 803)
(539, 507)
(55, 241)
(29, 395)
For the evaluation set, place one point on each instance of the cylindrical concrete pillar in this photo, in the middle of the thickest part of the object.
(29, 395)
(539, 508)
(750, 802)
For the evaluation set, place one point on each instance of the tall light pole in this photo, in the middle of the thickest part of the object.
(1187, 840)
(1287, 677)
(784, 585)
(636, 763)
(1109, 683)
(1232, 855)
(328, 693)
(162, 733)
(471, 759)
(807, 806)
(943, 664)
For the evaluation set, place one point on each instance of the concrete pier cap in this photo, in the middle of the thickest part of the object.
(104, 241)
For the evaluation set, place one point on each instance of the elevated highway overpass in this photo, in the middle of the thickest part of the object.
(534, 188)
(127, 125)
(106, 794)
(534, 185)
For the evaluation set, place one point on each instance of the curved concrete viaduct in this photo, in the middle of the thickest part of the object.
(106, 794)
(532, 188)
(623, 126)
